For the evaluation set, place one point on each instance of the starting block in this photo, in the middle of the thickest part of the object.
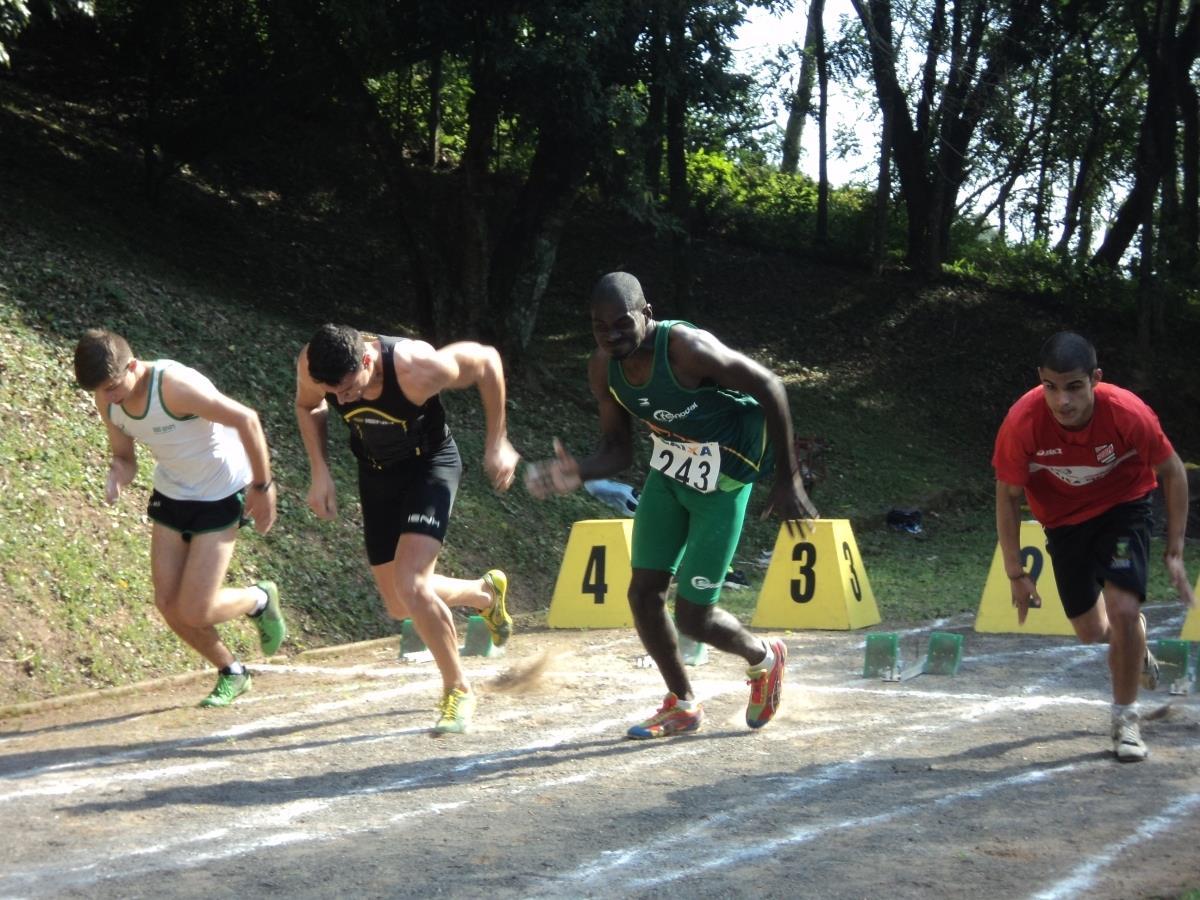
(883, 654)
(943, 657)
(410, 642)
(479, 639)
(1175, 665)
(694, 653)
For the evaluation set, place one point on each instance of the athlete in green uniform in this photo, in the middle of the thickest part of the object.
(718, 422)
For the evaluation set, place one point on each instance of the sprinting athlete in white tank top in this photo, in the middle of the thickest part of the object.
(195, 459)
(212, 469)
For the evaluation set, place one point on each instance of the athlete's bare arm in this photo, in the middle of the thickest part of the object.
(184, 395)
(697, 358)
(1008, 532)
(423, 372)
(613, 454)
(122, 466)
(312, 417)
(1173, 475)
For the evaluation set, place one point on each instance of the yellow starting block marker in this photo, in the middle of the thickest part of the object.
(816, 580)
(592, 590)
(996, 612)
(1191, 625)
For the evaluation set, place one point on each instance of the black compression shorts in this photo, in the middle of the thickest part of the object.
(412, 497)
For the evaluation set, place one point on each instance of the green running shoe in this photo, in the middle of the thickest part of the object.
(228, 689)
(271, 627)
(456, 708)
(499, 622)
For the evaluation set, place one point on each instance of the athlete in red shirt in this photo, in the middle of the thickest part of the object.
(1086, 455)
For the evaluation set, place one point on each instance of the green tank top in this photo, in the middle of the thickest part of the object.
(708, 413)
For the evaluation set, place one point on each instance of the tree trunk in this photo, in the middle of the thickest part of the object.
(931, 173)
(1156, 135)
(434, 122)
(801, 104)
(822, 235)
(652, 133)
(524, 256)
(883, 198)
(679, 199)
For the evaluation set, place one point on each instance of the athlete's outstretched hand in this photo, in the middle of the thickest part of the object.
(322, 498)
(260, 506)
(791, 502)
(1179, 579)
(1025, 596)
(121, 472)
(553, 476)
(500, 464)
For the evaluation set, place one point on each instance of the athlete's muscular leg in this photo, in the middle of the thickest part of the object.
(648, 602)
(414, 594)
(1114, 621)
(1127, 642)
(461, 591)
(453, 591)
(181, 573)
(710, 624)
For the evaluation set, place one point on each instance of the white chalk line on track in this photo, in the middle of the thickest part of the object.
(116, 864)
(309, 807)
(1084, 876)
(666, 853)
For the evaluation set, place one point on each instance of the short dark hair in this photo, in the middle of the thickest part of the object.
(1067, 352)
(100, 356)
(334, 352)
(619, 287)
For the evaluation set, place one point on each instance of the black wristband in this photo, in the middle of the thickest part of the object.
(263, 486)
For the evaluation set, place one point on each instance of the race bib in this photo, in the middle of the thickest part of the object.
(694, 464)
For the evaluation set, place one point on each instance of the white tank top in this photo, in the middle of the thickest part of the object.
(195, 459)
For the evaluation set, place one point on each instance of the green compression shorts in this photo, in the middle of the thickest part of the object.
(689, 534)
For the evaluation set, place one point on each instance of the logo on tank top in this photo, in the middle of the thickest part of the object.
(1106, 454)
(662, 415)
(163, 429)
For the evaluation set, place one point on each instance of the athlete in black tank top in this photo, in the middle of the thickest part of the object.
(391, 428)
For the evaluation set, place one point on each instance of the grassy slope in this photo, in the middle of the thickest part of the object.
(905, 383)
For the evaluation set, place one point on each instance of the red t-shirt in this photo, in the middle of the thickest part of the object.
(1072, 476)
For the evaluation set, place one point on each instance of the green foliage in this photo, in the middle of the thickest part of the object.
(1027, 268)
(758, 205)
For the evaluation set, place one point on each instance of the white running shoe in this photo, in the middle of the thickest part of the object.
(1127, 739)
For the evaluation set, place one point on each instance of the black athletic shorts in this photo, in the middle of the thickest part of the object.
(190, 517)
(1114, 546)
(412, 497)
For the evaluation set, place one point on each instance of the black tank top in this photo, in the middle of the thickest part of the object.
(391, 428)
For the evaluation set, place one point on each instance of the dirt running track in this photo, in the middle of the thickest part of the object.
(325, 781)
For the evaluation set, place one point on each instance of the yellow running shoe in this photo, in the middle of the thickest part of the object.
(499, 622)
(456, 708)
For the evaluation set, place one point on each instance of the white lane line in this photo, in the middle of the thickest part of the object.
(742, 855)
(1077, 883)
(244, 731)
(74, 786)
(57, 876)
(665, 853)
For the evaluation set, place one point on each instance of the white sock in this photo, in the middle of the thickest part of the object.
(262, 602)
(236, 668)
(767, 661)
(686, 705)
(1123, 710)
